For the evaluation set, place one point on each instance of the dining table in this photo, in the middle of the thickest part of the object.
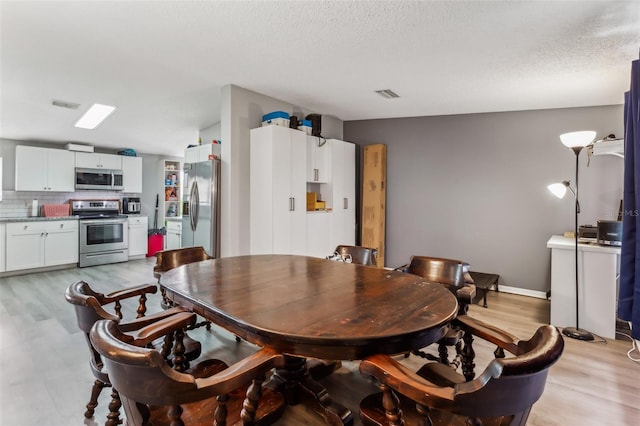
(313, 308)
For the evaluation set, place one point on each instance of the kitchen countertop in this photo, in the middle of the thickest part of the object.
(36, 218)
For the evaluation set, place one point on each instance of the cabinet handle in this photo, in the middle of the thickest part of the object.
(293, 200)
(346, 203)
(26, 226)
(315, 175)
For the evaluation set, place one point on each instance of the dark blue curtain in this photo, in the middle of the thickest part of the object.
(629, 292)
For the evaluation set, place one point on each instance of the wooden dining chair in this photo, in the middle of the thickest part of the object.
(208, 393)
(91, 306)
(452, 274)
(169, 259)
(502, 395)
(358, 254)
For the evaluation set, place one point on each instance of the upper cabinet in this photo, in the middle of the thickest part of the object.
(204, 152)
(44, 169)
(132, 174)
(318, 169)
(91, 160)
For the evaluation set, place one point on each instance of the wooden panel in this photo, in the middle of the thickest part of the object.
(374, 178)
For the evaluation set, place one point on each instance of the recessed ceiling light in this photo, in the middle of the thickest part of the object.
(94, 116)
(387, 93)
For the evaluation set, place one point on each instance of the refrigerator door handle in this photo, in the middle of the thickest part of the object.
(194, 200)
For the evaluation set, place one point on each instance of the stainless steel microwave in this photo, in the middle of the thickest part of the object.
(99, 179)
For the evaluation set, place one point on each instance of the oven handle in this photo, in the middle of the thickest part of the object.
(102, 221)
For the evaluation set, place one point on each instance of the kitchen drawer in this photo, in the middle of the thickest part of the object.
(60, 225)
(174, 226)
(25, 228)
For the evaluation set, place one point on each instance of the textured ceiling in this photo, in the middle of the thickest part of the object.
(163, 63)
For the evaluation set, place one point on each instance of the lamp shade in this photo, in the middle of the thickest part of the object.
(577, 139)
(558, 189)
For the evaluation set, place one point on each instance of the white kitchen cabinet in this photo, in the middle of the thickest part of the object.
(598, 273)
(318, 165)
(173, 238)
(138, 235)
(92, 160)
(199, 153)
(278, 222)
(36, 244)
(343, 190)
(61, 241)
(132, 174)
(44, 169)
(3, 245)
(319, 234)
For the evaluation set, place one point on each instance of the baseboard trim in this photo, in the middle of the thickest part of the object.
(523, 292)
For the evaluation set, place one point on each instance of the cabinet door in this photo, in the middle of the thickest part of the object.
(191, 155)
(87, 160)
(261, 188)
(27, 247)
(60, 170)
(343, 182)
(283, 199)
(61, 242)
(319, 235)
(31, 168)
(138, 230)
(111, 161)
(132, 174)
(3, 245)
(298, 192)
(318, 168)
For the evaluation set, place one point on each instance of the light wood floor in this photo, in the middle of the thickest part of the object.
(45, 379)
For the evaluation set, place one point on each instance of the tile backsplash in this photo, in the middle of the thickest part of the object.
(18, 203)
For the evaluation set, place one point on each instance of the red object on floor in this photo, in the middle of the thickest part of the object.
(155, 244)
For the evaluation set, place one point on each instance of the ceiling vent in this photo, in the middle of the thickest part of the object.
(65, 104)
(387, 93)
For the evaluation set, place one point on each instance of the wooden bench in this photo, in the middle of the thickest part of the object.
(483, 283)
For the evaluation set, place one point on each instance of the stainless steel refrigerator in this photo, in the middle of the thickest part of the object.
(201, 206)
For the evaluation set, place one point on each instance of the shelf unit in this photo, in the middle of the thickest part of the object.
(171, 195)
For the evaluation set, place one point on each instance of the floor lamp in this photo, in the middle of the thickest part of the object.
(575, 141)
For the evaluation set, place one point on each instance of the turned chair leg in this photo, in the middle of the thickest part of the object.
(113, 418)
(391, 405)
(250, 404)
(220, 415)
(93, 402)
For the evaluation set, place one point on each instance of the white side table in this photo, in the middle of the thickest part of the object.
(598, 272)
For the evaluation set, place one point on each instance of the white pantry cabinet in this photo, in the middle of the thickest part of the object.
(318, 165)
(278, 222)
(132, 174)
(343, 190)
(138, 235)
(36, 244)
(44, 169)
(173, 238)
(92, 160)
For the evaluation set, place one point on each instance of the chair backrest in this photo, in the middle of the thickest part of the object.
(511, 385)
(508, 387)
(445, 271)
(169, 259)
(359, 254)
(141, 374)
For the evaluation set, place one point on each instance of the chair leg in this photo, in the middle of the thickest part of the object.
(220, 415)
(175, 413)
(113, 418)
(93, 402)
(250, 404)
(391, 405)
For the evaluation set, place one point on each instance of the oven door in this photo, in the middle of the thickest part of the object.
(100, 235)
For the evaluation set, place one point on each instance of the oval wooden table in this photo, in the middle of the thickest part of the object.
(310, 307)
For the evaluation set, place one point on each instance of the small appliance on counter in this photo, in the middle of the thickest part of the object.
(131, 205)
(588, 234)
(610, 233)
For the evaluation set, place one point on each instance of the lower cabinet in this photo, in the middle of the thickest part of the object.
(174, 235)
(138, 234)
(41, 243)
(3, 245)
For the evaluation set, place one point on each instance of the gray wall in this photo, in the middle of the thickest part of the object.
(473, 187)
